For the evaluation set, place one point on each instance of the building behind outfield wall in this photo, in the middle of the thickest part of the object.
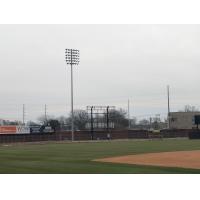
(182, 120)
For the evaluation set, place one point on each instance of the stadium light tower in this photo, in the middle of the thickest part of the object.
(168, 100)
(72, 58)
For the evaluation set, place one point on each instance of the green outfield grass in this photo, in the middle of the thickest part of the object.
(77, 157)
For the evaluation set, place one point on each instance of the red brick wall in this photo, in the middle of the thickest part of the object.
(86, 135)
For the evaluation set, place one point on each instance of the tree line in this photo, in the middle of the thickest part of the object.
(82, 119)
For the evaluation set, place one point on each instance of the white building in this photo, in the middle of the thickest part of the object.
(1, 122)
(182, 120)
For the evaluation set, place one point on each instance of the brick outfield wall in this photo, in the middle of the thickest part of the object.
(173, 133)
(129, 134)
(100, 135)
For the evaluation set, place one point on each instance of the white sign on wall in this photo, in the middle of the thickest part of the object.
(23, 129)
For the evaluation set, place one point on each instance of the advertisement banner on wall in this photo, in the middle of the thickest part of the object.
(14, 130)
(8, 129)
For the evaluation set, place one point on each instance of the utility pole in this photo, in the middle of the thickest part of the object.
(92, 127)
(23, 113)
(129, 123)
(72, 58)
(168, 106)
(107, 118)
(45, 112)
(150, 123)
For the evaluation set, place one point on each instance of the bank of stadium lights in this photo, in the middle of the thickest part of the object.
(72, 58)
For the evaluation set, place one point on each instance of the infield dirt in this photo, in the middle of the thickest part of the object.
(182, 159)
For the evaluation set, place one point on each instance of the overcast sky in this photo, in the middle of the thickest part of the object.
(117, 63)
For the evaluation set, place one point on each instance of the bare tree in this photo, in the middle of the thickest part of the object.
(55, 125)
(62, 120)
(45, 119)
(189, 108)
(80, 119)
(133, 122)
(144, 122)
(118, 117)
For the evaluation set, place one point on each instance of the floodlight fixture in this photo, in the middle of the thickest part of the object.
(72, 56)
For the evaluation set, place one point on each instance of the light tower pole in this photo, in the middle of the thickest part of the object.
(45, 113)
(168, 106)
(72, 58)
(129, 122)
(23, 115)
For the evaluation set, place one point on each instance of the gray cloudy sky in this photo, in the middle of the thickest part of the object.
(117, 62)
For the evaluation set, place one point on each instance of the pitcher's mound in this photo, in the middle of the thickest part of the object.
(183, 159)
